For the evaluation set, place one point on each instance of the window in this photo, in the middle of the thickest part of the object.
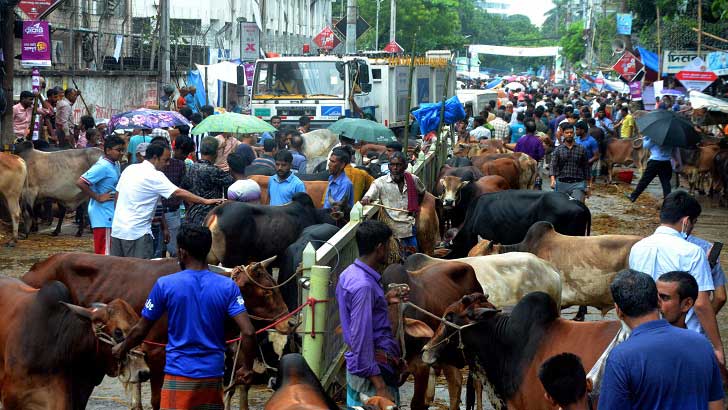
(302, 79)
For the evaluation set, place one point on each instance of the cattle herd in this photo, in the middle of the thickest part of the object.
(509, 246)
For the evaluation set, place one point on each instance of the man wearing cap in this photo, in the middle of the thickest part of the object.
(134, 141)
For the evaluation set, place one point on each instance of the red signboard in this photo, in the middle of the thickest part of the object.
(34, 8)
(326, 39)
(696, 76)
(628, 66)
(393, 47)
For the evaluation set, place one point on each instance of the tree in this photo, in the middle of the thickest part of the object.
(7, 29)
(572, 43)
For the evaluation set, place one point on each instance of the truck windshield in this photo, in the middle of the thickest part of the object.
(319, 79)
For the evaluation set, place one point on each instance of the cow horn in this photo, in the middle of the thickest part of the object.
(268, 261)
(482, 313)
(78, 310)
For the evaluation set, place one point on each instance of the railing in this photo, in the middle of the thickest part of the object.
(323, 347)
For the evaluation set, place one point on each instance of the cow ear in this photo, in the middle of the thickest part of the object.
(416, 328)
(80, 311)
(442, 181)
(462, 184)
(480, 238)
(482, 313)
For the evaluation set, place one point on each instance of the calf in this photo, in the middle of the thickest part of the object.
(432, 288)
(52, 353)
(587, 264)
(458, 194)
(504, 167)
(13, 177)
(698, 165)
(53, 175)
(506, 350)
(624, 151)
(526, 167)
(97, 278)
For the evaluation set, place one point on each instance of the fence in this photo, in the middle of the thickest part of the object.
(323, 348)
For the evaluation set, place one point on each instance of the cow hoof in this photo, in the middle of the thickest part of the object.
(79, 234)
(54, 233)
(10, 245)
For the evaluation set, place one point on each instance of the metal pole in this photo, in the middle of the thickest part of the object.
(392, 20)
(409, 95)
(659, 45)
(376, 29)
(164, 66)
(313, 343)
(207, 94)
(351, 16)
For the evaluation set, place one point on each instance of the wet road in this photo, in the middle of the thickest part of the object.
(611, 213)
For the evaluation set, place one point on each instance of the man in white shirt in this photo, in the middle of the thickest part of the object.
(667, 250)
(479, 132)
(138, 190)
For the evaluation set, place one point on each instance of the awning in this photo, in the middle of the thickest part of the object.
(649, 59)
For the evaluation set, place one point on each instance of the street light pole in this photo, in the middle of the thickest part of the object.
(164, 75)
(351, 16)
(376, 30)
(393, 20)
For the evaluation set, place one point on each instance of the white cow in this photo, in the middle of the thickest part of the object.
(507, 277)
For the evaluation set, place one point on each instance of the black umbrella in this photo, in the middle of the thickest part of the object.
(667, 128)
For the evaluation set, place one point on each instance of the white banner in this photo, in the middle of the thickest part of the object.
(674, 61)
(515, 51)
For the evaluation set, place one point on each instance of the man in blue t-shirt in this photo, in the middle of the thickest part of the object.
(197, 302)
(660, 366)
(589, 143)
(284, 184)
(518, 129)
(99, 183)
(340, 188)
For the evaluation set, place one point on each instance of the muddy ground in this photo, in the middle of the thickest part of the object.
(612, 213)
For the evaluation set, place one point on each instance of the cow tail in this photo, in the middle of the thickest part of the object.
(469, 392)
(588, 225)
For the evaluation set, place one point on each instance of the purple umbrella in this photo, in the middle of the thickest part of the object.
(148, 119)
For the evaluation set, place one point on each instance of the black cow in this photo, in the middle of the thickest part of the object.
(244, 232)
(316, 235)
(458, 162)
(506, 216)
(720, 175)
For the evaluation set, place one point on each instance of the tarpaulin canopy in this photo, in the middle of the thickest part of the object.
(514, 51)
(494, 83)
(699, 100)
(428, 115)
(649, 59)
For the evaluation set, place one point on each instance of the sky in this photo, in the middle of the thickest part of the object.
(534, 9)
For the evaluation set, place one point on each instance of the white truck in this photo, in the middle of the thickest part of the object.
(326, 87)
(477, 98)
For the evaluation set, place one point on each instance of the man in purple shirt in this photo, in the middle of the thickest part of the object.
(529, 143)
(373, 357)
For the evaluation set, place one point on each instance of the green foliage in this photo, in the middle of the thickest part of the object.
(720, 9)
(572, 43)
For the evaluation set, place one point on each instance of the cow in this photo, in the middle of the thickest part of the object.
(720, 175)
(458, 194)
(243, 232)
(587, 264)
(506, 216)
(318, 143)
(468, 173)
(293, 255)
(53, 175)
(427, 223)
(526, 165)
(506, 350)
(697, 166)
(53, 353)
(624, 151)
(507, 277)
(432, 288)
(315, 189)
(13, 177)
(98, 278)
(505, 167)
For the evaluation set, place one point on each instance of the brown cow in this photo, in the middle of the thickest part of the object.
(625, 152)
(506, 350)
(698, 165)
(53, 175)
(315, 189)
(53, 353)
(13, 175)
(526, 164)
(97, 278)
(587, 264)
(506, 167)
(432, 288)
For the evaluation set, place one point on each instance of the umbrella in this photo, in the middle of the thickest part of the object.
(667, 128)
(515, 86)
(232, 123)
(363, 130)
(147, 119)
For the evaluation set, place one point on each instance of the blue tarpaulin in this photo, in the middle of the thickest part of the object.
(494, 83)
(195, 79)
(649, 59)
(428, 115)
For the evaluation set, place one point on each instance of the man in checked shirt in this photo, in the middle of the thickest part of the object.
(570, 168)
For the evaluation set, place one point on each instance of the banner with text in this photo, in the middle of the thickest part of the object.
(674, 61)
(36, 44)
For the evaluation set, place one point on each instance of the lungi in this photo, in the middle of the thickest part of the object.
(102, 241)
(184, 393)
